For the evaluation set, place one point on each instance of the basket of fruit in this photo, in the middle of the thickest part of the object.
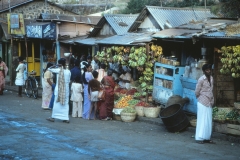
(128, 114)
(139, 110)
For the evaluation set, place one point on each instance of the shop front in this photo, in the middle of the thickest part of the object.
(41, 45)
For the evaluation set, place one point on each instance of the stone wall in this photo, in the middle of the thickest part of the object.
(34, 9)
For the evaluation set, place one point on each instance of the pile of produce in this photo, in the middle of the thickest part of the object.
(117, 89)
(131, 91)
(144, 104)
(123, 102)
(133, 102)
(231, 60)
(137, 95)
(217, 115)
(129, 109)
(233, 115)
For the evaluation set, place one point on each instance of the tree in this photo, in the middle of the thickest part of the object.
(227, 8)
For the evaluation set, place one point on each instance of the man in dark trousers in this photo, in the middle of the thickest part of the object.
(75, 73)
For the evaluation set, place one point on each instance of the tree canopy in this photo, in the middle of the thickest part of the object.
(224, 8)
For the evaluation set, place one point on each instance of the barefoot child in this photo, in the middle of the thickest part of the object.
(76, 97)
(93, 89)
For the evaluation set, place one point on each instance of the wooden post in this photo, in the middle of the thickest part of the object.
(25, 38)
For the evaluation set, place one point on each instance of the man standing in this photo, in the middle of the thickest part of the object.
(204, 94)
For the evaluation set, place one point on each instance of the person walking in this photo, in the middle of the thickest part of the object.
(47, 81)
(3, 74)
(87, 76)
(20, 76)
(93, 89)
(76, 97)
(204, 94)
(61, 92)
(106, 108)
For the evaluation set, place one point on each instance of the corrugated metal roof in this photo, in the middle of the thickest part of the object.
(70, 18)
(214, 28)
(173, 16)
(89, 41)
(72, 40)
(126, 39)
(4, 5)
(175, 33)
(120, 22)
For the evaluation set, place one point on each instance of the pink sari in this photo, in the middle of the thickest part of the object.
(3, 74)
(107, 105)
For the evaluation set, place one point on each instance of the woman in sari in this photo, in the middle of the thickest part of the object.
(105, 110)
(3, 74)
(47, 87)
(87, 76)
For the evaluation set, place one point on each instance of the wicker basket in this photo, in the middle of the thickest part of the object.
(237, 105)
(193, 122)
(117, 117)
(128, 117)
(151, 112)
(139, 110)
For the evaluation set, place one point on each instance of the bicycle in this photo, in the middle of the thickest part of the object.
(31, 85)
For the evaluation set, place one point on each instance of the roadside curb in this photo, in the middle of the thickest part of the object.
(215, 135)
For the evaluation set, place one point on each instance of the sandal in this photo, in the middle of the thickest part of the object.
(209, 141)
(200, 142)
(50, 119)
(65, 121)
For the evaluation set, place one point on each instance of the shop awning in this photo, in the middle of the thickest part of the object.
(89, 41)
(127, 39)
(175, 33)
(5, 30)
(42, 30)
(72, 40)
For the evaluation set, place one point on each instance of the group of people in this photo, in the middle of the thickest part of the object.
(76, 91)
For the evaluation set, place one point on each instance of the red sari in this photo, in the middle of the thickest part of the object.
(107, 105)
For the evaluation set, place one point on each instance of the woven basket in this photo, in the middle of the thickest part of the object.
(193, 122)
(139, 110)
(128, 117)
(151, 112)
(117, 117)
(237, 105)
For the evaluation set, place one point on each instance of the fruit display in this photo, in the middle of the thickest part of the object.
(131, 91)
(123, 102)
(137, 57)
(144, 104)
(117, 89)
(230, 59)
(133, 102)
(137, 95)
(157, 50)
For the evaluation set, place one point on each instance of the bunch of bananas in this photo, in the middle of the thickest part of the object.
(137, 57)
(157, 50)
(231, 60)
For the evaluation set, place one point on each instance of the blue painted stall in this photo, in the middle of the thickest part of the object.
(189, 86)
(166, 82)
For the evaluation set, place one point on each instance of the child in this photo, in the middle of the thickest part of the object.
(93, 89)
(76, 97)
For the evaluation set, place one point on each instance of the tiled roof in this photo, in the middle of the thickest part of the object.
(173, 16)
(119, 22)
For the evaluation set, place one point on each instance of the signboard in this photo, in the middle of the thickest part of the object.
(44, 31)
(15, 24)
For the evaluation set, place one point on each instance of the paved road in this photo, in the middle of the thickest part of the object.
(25, 134)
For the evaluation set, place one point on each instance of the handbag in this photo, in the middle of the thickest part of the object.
(101, 94)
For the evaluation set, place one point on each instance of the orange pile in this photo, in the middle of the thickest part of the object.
(123, 102)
